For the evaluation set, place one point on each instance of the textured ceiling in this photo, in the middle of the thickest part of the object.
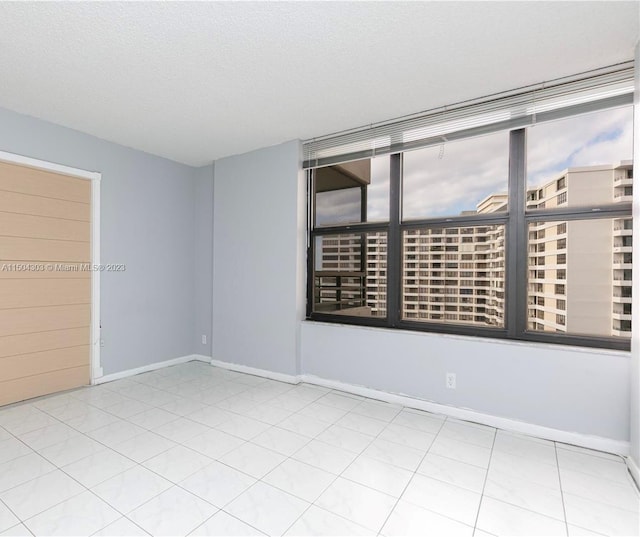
(197, 81)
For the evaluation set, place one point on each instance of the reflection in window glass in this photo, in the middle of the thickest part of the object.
(353, 192)
(454, 275)
(462, 177)
(350, 276)
(585, 284)
(580, 161)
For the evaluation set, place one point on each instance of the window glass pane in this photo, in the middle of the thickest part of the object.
(580, 161)
(350, 274)
(580, 282)
(462, 177)
(454, 275)
(352, 192)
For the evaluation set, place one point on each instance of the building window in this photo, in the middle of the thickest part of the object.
(427, 239)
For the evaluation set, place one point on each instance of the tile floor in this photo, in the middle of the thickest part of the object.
(197, 450)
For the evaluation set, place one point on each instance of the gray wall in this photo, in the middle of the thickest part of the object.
(635, 342)
(203, 265)
(582, 391)
(147, 222)
(256, 258)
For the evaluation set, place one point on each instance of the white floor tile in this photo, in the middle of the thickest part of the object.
(345, 438)
(144, 446)
(224, 525)
(81, 515)
(246, 428)
(320, 522)
(41, 493)
(122, 527)
(378, 475)
(174, 512)
(525, 447)
(500, 518)
(461, 451)
(23, 469)
(454, 472)
(525, 494)
(217, 483)
(410, 520)
(318, 411)
(177, 463)
(7, 518)
(12, 448)
(268, 413)
(468, 433)
(19, 530)
(575, 531)
(210, 416)
(362, 424)
(428, 423)
(32, 421)
(91, 421)
(615, 493)
(300, 424)
(355, 502)
(395, 454)
(183, 406)
(131, 488)
(300, 479)
(377, 409)
(341, 401)
(601, 518)
(253, 460)
(325, 456)
(443, 498)
(181, 430)
(585, 451)
(406, 436)
(48, 436)
(614, 470)
(267, 508)
(97, 468)
(127, 408)
(281, 440)
(529, 470)
(152, 418)
(115, 433)
(71, 450)
(214, 443)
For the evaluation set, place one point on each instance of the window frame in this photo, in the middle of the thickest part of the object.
(516, 221)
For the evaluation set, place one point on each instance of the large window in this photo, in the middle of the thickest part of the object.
(521, 234)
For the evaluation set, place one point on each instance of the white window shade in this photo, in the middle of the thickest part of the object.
(608, 87)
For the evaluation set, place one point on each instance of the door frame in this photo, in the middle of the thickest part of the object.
(95, 366)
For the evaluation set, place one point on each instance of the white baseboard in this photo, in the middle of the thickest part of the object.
(634, 470)
(151, 367)
(282, 377)
(577, 439)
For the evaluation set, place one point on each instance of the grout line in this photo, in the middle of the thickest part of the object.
(564, 509)
(486, 477)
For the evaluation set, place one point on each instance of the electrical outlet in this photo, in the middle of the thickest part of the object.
(451, 381)
(204, 339)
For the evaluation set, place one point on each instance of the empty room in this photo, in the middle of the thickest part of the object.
(319, 268)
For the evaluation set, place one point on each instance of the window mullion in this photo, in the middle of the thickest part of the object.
(394, 240)
(516, 255)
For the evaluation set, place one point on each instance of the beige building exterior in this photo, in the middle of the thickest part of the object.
(579, 271)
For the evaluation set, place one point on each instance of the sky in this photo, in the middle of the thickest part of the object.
(446, 179)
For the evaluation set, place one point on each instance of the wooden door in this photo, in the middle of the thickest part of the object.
(45, 284)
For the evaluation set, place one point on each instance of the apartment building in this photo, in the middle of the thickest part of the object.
(579, 277)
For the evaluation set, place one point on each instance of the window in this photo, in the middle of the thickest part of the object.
(434, 246)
